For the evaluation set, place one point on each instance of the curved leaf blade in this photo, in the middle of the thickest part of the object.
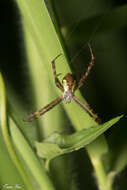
(57, 144)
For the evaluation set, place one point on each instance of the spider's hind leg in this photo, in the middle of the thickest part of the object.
(91, 64)
(57, 82)
(88, 109)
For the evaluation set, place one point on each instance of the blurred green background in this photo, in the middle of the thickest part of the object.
(105, 88)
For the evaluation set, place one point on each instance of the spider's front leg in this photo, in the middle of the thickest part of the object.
(91, 64)
(57, 82)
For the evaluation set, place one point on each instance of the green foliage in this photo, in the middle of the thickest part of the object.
(43, 41)
(58, 144)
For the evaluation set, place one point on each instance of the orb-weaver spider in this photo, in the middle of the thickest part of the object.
(68, 88)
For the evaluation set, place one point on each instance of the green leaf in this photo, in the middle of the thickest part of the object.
(42, 45)
(7, 168)
(58, 144)
(37, 22)
(6, 135)
(40, 34)
(41, 70)
(29, 159)
(17, 145)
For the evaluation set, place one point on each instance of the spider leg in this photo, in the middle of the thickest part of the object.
(91, 64)
(57, 82)
(87, 108)
(45, 109)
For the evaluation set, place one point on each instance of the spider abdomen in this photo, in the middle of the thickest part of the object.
(68, 86)
(67, 96)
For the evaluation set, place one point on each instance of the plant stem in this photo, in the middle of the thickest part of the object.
(95, 154)
(102, 179)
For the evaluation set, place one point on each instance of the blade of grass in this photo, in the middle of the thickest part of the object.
(37, 71)
(48, 46)
(7, 168)
(96, 149)
(23, 148)
(68, 143)
(7, 140)
(44, 36)
(26, 153)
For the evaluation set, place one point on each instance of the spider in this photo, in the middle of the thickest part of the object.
(68, 88)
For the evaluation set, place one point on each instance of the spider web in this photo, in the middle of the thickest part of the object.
(85, 44)
(93, 33)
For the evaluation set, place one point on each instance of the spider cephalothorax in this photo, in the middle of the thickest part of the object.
(68, 87)
(69, 84)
